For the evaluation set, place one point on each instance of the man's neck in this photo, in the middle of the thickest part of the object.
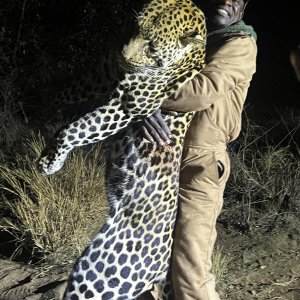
(212, 27)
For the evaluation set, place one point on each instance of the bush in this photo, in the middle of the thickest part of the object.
(265, 178)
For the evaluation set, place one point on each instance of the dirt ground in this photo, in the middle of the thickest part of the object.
(264, 263)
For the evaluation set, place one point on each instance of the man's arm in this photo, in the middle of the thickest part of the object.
(232, 64)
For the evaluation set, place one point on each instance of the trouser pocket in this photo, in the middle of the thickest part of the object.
(221, 168)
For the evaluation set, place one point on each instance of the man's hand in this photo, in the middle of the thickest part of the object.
(156, 130)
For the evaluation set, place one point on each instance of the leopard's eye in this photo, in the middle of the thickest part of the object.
(193, 34)
(151, 47)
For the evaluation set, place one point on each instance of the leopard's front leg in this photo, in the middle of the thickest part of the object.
(92, 128)
(96, 126)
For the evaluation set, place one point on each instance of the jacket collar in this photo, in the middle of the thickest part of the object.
(238, 29)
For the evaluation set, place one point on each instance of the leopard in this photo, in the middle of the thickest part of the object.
(132, 250)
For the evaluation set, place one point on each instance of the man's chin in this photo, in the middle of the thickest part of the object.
(218, 23)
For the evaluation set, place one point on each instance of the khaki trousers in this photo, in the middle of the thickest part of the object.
(202, 182)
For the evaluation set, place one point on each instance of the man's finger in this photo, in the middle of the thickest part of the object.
(147, 135)
(160, 120)
(155, 132)
(170, 112)
(164, 127)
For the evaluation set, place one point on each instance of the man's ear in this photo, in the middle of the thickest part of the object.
(242, 15)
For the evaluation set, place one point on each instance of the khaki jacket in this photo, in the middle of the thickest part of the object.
(218, 93)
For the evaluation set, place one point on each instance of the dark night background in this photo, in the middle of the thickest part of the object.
(277, 27)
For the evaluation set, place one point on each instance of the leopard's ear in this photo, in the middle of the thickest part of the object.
(192, 38)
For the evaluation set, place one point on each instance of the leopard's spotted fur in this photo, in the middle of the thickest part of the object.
(133, 248)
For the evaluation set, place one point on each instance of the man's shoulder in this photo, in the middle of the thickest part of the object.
(239, 49)
(237, 43)
(242, 41)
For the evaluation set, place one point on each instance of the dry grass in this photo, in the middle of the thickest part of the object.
(220, 262)
(265, 178)
(268, 177)
(53, 216)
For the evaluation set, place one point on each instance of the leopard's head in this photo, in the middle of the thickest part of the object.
(169, 32)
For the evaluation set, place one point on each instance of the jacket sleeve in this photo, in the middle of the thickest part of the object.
(232, 64)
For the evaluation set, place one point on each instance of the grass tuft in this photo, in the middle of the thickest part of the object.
(220, 262)
(54, 216)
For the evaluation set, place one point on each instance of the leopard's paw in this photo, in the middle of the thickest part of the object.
(51, 162)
